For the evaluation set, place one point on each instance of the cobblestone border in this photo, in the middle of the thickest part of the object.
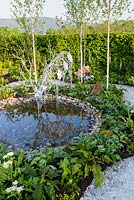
(87, 108)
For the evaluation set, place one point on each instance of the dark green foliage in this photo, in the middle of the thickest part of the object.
(17, 91)
(80, 91)
(122, 56)
(98, 175)
(55, 173)
(121, 50)
(48, 46)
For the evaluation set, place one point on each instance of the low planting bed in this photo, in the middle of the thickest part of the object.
(64, 172)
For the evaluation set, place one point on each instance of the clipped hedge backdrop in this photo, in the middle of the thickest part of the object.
(12, 43)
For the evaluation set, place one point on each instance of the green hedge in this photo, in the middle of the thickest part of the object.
(48, 46)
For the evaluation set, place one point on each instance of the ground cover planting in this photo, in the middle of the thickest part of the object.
(64, 172)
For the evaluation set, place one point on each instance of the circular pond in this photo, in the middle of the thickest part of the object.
(26, 127)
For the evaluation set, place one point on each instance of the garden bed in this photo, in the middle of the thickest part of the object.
(62, 173)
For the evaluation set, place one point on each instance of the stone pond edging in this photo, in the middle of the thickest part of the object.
(87, 108)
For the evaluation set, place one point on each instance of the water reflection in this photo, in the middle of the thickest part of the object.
(54, 124)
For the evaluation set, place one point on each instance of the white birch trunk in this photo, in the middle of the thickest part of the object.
(108, 43)
(34, 57)
(81, 54)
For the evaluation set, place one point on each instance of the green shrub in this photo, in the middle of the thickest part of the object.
(48, 46)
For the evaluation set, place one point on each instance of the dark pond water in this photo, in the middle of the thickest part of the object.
(24, 127)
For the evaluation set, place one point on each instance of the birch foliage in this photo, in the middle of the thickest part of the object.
(27, 13)
(79, 12)
(111, 10)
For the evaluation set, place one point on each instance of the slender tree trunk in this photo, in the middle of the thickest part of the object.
(34, 57)
(108, 43)
(108, 35)
(81, 54)
(84, 52)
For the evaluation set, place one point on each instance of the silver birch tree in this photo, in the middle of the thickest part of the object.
(111, 10)
(79, 12)
(27, 13)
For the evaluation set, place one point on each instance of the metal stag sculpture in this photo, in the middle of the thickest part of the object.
(56, 69)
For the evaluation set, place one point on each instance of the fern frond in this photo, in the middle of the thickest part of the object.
(98, 175)
(3, 175)
(38, 193)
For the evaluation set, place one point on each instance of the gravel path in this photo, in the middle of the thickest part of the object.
(119, 179)
(128, 93)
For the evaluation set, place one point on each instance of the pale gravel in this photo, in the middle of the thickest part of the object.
(119, 178)
(128, 92)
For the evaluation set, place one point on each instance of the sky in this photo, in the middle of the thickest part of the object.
(52, 8)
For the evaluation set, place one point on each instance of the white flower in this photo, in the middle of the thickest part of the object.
(11, 189)
(6, 164)
(9, 154)
(19, 189)
(5, 156)
(15, 182)
(8, 190)
(14, 189)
